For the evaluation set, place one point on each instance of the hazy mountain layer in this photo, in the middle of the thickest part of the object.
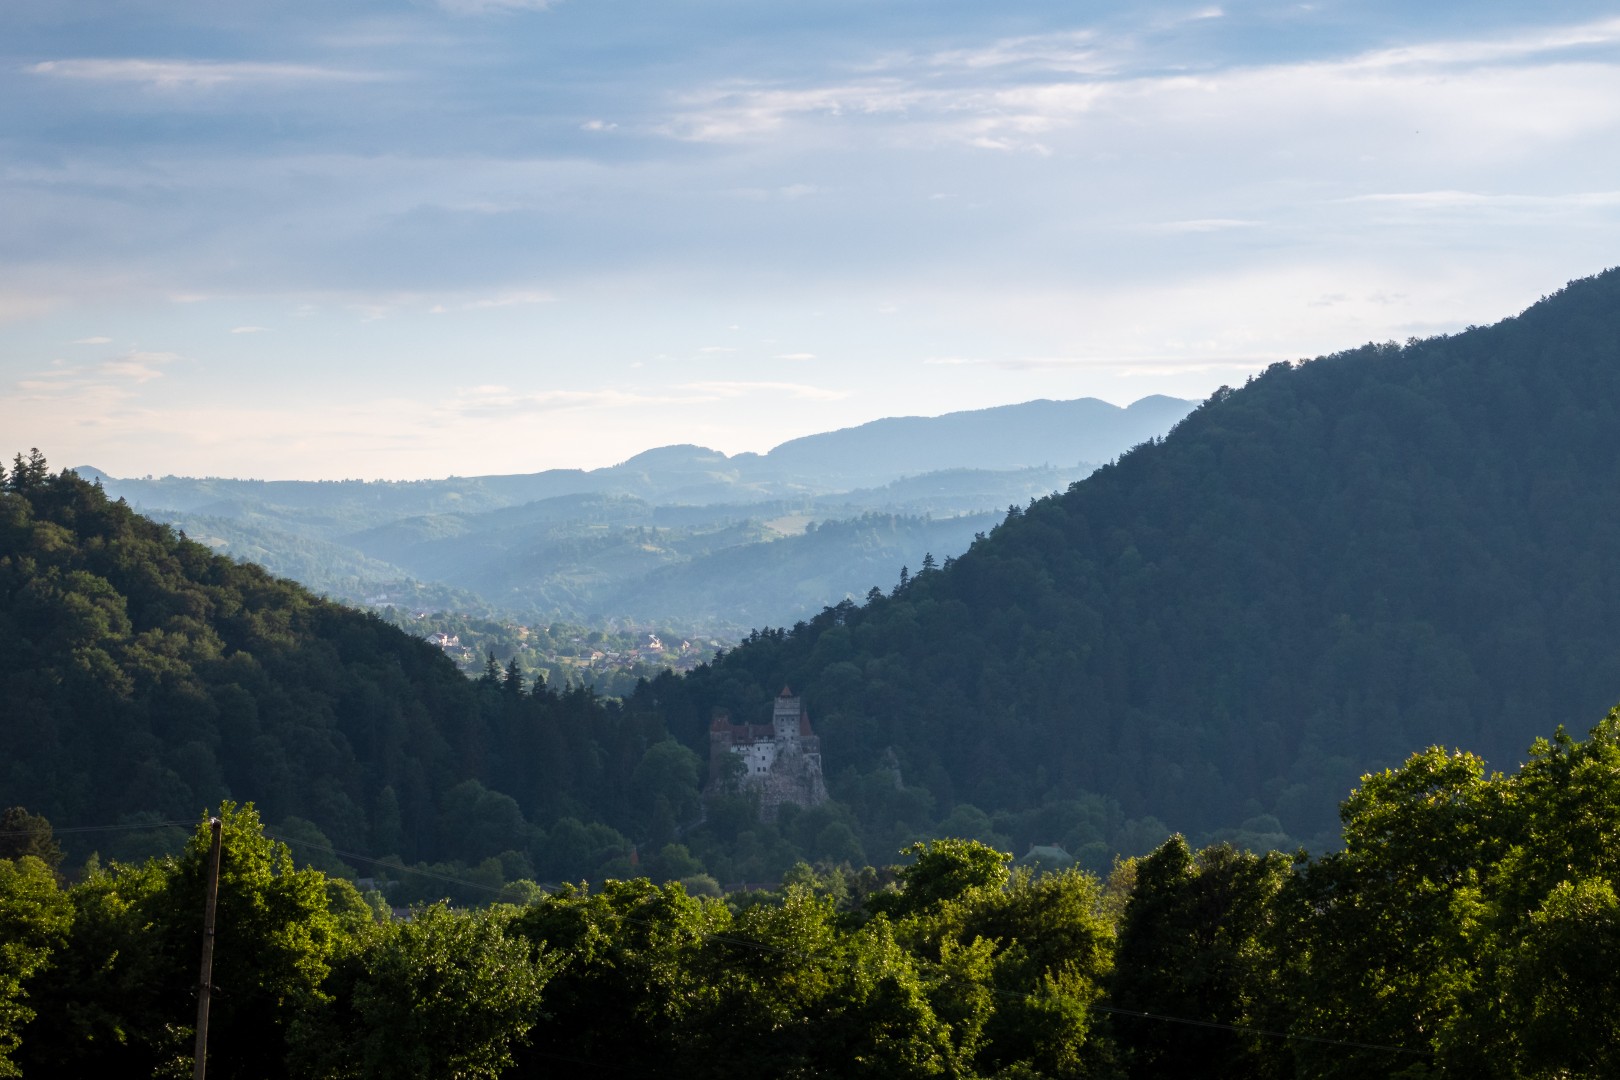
(605, 544)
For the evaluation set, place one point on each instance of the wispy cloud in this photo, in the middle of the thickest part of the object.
(91, 341)
(137, 366)
(494, 7)
(97, 387)
(516, 298)
(494, 401)
(1474, 200)
(250, 329)
(796, 356)
(1201, 225)
(745, 388)
(1016, 94)
(1523, 45)
(1070, 50)
(509, 299)
(178, 74)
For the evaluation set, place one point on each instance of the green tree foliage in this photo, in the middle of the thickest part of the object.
(1016, 961)
(122, 994)
(1203, 938)
(34, 920)
(442, 994)
(22, 833)
(1467, 928)
(630, 988)
(1469, 917)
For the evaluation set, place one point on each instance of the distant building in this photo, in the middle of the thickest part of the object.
(781, 761)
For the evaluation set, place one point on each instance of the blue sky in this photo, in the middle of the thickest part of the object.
(413, 239)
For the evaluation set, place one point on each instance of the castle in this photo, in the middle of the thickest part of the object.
(781, 761)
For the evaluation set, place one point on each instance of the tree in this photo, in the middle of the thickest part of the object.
(512, 680)
(442, 994)
(1198, 940)
(1562, 986)
(122, 996)
(34, 920)
(22, 833)
(629, 989)
(1391, 943)
(945, 870)
(27, 474)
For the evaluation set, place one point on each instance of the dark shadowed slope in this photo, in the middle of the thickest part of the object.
(1380, 549)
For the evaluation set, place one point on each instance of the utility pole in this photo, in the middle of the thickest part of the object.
(205, 982)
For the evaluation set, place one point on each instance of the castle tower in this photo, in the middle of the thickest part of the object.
(785, 718)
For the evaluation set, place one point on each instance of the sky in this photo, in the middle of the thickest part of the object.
(328, 239)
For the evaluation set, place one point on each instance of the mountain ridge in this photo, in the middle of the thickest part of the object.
(1146, 415)
(580, 545)
(1382, 548)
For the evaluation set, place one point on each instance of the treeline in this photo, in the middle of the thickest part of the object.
(1467, 928)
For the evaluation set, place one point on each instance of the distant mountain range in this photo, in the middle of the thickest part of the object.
(660, 535)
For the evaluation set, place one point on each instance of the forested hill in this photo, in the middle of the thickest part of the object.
(1384, 548)
(143, 678)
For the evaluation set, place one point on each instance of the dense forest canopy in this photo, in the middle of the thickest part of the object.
(1393, 546)
(1467, 928)
(145, 675)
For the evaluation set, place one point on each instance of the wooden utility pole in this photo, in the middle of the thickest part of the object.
(205, 982)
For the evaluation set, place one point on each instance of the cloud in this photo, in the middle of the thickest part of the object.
(130, 369)
(741, 110)
(494, 401)
(739, 388)
(91, 341)
(1523, 45)
(1073, 51)
(796, 356)
(138, 367)
(1201, 225)
(250, 329)
(598, 125)
(1020, 94)
(1473, 200)
(93, 390)
(176, 74)
(511, 299)
(494, 7)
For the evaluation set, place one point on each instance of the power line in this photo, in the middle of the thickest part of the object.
(102, 828)
(385, 863)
